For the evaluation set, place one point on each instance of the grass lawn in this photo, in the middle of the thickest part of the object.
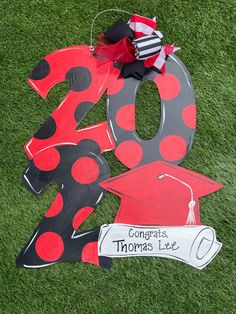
(205, 30)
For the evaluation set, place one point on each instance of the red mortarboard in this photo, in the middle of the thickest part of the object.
(159, 194)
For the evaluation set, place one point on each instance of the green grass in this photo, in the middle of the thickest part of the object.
(206, 32)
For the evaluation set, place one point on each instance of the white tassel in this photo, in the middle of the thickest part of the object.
(191, 220)
(191, 216)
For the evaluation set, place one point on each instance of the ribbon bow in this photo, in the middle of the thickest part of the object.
(136, 44)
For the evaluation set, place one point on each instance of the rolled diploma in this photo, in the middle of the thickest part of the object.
(194, 245)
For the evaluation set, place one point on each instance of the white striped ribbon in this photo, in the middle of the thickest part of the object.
(147, 46)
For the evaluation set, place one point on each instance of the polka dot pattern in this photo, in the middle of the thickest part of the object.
(168, 86)
(49, 246)
(129, 153)
(88, 77)
(85, 170)
(46, 130)
(173, 139)
(81, 215)
(47, 160)
(189, 116)
(125, 117)
(56, 206)
(54, 240)
(79, 78)
(90, 253)
(41, 70)
(173, 147)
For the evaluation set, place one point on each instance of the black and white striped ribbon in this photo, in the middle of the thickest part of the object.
(147, 46)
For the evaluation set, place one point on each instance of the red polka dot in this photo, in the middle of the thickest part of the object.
(49, 246)
(85, 170)
(189, 116)
(56, 206)
(173, 147)
(81, 215)
(125, 117)
(47, 160)
(115, 83)
(129, 153)
(168, 86)
(90, 253)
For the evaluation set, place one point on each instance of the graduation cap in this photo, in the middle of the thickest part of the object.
(160, 194)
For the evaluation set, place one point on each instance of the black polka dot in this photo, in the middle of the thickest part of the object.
(82, 109)
(47, 129)
(41, 70)
(79, 78)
